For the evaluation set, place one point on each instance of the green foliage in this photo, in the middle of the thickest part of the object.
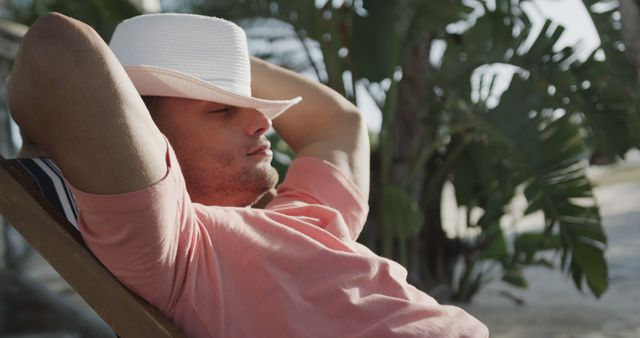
(540, 137)
(454, 121)
(375, 56)
(102, 15)
(403, 219)
(404, 212)
(557, 111)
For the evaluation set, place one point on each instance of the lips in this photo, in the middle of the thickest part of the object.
(261, 148)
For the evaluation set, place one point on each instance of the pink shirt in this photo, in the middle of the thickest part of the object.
(293, 269)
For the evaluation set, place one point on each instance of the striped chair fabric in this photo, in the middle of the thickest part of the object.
(52, 185)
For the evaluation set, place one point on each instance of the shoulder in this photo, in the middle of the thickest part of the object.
(315, 181)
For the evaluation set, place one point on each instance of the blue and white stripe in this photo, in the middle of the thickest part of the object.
(52, 185)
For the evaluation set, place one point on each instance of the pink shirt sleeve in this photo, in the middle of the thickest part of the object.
(143, 237)
(312, 181)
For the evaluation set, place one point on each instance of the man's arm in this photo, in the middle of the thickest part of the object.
(323, 125)
(71, 96)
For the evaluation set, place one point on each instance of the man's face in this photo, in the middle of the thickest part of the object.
(222, 150)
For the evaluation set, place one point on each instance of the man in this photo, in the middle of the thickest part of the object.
(163, 191)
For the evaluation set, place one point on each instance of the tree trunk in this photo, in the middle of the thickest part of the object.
(630, 19)
(408, 130)
(430, 261)
(411, 111)
(433, 255)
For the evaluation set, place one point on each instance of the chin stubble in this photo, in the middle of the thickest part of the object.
(241, 188)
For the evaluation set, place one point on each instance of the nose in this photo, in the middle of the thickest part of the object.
(257, 123)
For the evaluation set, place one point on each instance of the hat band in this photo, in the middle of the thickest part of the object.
(231, 85)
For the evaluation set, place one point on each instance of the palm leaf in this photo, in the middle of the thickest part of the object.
(526, 140)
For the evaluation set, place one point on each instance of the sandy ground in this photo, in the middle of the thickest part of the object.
(552, 305)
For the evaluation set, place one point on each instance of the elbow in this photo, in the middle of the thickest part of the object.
(352, 125)
(354, 119)
(48, 32)
(35, 67)
(30, 66)
(53, 35)
(56, 27)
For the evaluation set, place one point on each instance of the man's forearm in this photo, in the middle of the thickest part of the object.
(324, 125)
(318, 115)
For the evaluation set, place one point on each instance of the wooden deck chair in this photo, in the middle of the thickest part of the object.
(45, 226)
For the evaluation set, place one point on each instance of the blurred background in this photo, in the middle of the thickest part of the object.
(505, 163)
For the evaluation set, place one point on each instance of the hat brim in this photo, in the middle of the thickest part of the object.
(158, 81)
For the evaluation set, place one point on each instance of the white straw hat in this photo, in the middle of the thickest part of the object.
(190, 56)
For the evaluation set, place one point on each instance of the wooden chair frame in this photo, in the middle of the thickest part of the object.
(49, 232)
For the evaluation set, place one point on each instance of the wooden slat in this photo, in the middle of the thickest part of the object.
(60, 243)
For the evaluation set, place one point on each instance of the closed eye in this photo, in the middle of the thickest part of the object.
(221, 110)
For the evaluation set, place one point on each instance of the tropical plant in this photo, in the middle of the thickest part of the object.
(446, 121)
(434, 70)
(102, 15)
